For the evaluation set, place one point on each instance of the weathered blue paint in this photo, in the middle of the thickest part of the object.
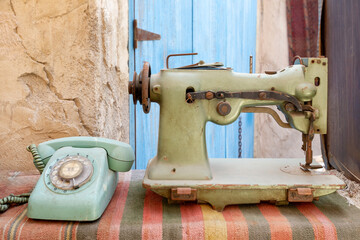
(225, 31)
(219, 30)
(173, 21)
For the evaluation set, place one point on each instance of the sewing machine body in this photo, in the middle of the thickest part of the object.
(182, 145)
(191, 97)
(247, 181)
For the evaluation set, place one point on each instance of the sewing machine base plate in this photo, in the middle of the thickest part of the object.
(247, 181)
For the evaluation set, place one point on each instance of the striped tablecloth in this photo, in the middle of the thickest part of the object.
(136, 213)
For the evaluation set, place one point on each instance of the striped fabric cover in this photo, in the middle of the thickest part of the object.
(303, 25)
(136, 213)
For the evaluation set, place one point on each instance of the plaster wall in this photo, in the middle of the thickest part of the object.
(270, 140)
(63, 72)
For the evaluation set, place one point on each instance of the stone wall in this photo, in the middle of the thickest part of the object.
(63, 72)
(270, 140)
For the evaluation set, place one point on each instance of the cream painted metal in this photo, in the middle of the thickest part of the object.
(250, 180)
(182, 166)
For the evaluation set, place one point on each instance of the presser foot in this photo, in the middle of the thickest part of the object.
(248, 181)
(308, 167)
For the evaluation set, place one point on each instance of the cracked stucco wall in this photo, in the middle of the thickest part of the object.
(63, 72)
(270, 140)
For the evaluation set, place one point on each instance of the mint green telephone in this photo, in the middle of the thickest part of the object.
(79, 177)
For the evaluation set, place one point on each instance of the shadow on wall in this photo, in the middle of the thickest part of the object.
(272, 53)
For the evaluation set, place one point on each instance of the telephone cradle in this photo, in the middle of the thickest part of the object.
(79, 177)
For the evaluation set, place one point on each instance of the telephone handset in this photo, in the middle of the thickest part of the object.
(78, 177)
(120, 155)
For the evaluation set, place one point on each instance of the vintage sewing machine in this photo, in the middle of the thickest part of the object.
(192, 95)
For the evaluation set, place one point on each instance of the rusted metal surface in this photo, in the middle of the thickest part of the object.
(340, 42)
(289, 107)
(145, 80)
(269, 111)
(257, 95)
(176, 55)
(270, 72)
(223, 108)
(201, 65)
(143, 35)
(307, 143)
(299, 58)
(300, 195)
(183, 194)
(251, 64)
(209, 95)
(139, 87)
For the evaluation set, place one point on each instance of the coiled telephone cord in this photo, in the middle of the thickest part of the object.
(23, 198)
(12, 199)
(39, 164)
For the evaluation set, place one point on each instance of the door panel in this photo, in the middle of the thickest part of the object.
(219, 31)
(341, 46)
(225, 31)
(173, 21)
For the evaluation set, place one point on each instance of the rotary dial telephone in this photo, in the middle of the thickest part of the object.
(79, 177)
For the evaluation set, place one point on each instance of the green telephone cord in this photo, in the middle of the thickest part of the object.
(23, 198)
(39, 164)
(12, 199)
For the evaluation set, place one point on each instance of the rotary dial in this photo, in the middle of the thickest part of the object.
(71, 172)
(70, 169)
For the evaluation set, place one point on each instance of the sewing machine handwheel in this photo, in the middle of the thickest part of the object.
(139, 87)
(145, 87)
(132, 87)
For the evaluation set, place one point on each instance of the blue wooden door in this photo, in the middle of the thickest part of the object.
(219, 31)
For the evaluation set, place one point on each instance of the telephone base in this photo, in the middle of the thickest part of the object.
(248, 181)
(85, 203)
